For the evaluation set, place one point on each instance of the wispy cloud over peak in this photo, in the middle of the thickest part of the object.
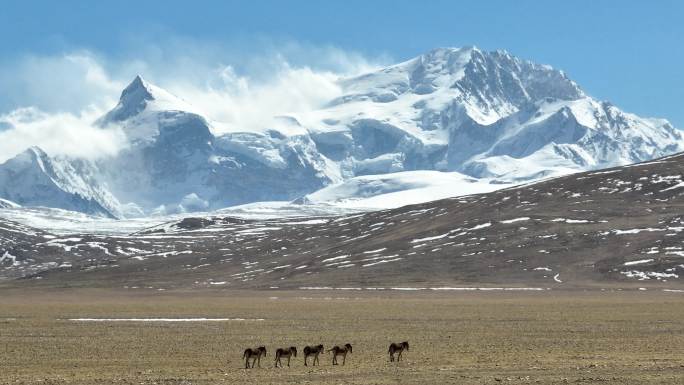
(52, 100)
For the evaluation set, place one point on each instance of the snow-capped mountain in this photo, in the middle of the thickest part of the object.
(485, 114)
(175, 163)
(36, 179)
(471, 113)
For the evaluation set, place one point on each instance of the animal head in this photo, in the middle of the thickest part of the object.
(349, 347)
(293, 350)
(320, 347)
(405, 345)
(262, 349)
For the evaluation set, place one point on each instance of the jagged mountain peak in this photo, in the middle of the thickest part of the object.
(35, 152)
(32, 155)
(494, 82)
(141, 95)
(440, 55)
(33, 158)
(137, 91)
(446, 53)
(133, 100)
(500, 75)
(32, 152)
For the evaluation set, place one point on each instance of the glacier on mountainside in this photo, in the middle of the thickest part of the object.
(33, 178)
(438, 125)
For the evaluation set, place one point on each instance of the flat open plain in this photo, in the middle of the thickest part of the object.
(546, 337)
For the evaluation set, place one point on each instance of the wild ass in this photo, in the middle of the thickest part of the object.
(285, 352)
(397, 348)
(338, 351)
(312, 351)
(254, 354)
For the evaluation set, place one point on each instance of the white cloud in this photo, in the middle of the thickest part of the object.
(243, 88)
(52, 101)
(244, 104)
(57, 133)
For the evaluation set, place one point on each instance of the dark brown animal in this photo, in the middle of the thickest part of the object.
(338, 351)
(283, 352)
(312, 351)
(397, 348)
(254, 354)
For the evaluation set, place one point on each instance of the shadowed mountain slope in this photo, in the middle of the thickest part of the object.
(617, 227)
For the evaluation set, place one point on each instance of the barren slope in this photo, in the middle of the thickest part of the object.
(620, 226)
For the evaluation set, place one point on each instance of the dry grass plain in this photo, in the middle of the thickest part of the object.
(548, 337)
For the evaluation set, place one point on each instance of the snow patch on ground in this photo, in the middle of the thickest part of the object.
(162, 319)
(647, 275)
(429, 288)
(7, 257)
(638, 262)
(514, 220)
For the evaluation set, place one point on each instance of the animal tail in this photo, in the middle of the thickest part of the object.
(244, 355)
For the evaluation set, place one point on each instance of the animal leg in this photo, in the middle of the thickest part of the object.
(344, 359)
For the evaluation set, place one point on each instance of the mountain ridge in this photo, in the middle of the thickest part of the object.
(487, 115)
(33, 176)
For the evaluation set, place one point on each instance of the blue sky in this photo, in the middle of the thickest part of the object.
(630, 53)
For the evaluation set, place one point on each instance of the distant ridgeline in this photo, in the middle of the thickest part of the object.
(484, 115)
